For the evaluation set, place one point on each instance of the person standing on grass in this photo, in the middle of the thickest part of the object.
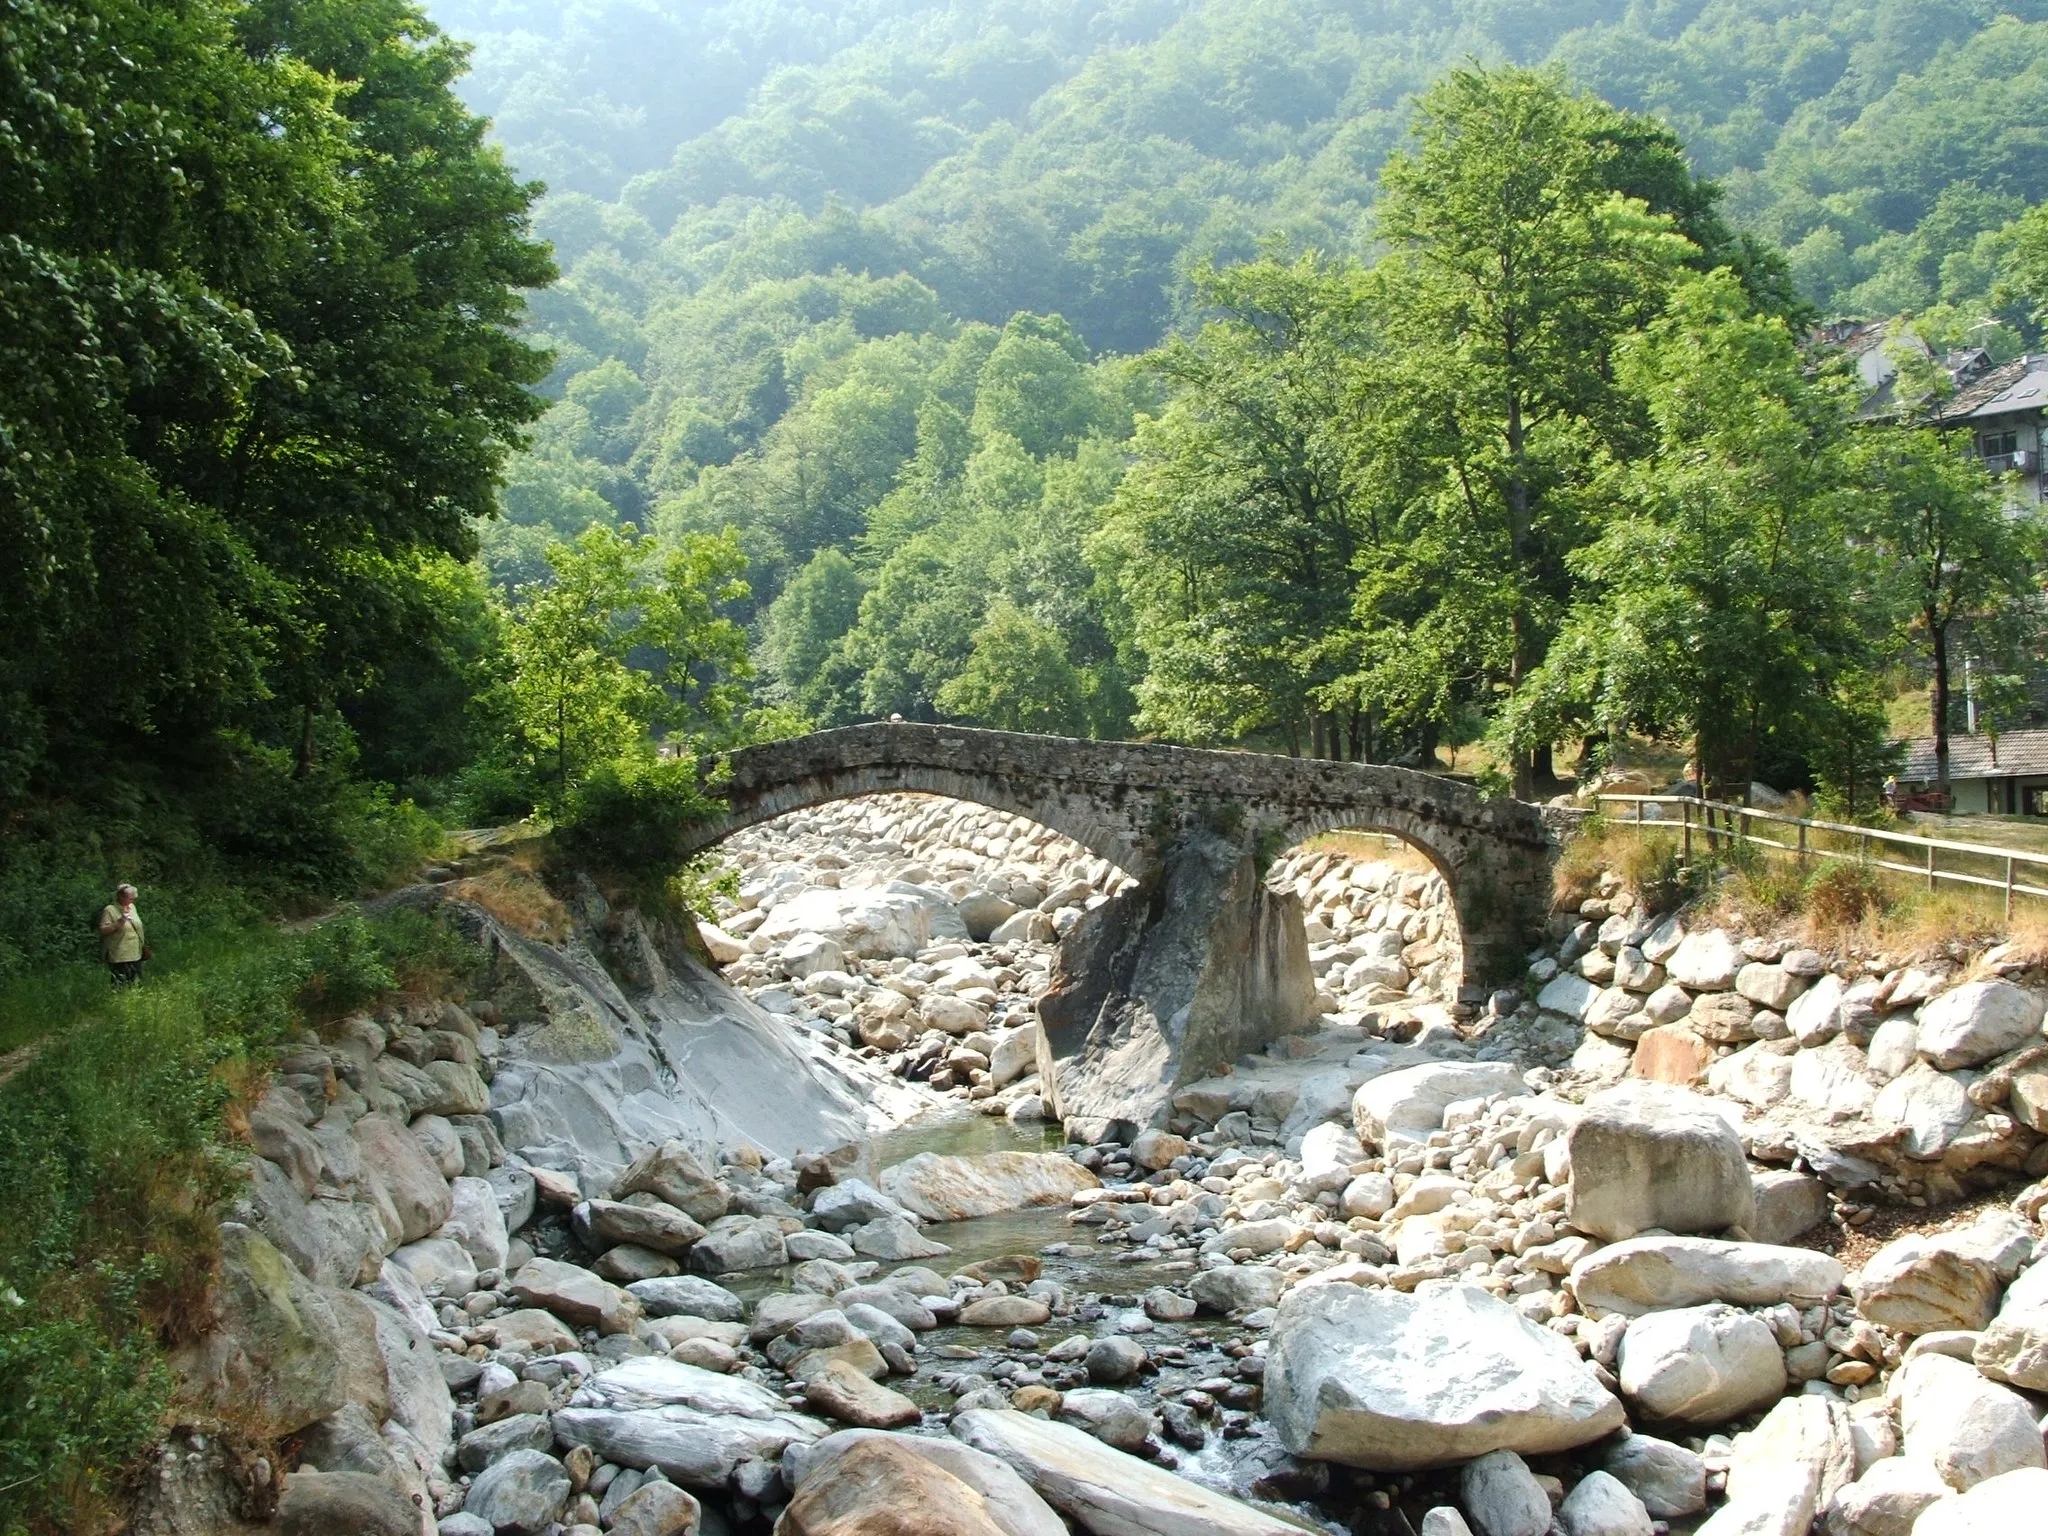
(121, 938)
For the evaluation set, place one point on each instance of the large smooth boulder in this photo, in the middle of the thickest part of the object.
(1011, 1502)
(736, 1243)
(941, 1188)
(1926, 1284)
(1408, 1106)
(1669, 1479)
(1647, 1155)
(477, 1221)
(404, 1184)
(851, 1203)
(523, 1493)
(696, 1425)
(840, 1392)
(273, 1361)
(879, 1485)
(876, 924)
(1887, 1499)
(1930, 1110)
(1654, 1274)
(1603, 1506)
(1969, 1428)
(671, 1173)
(656, 1225)
(1706, 961)
(1700, 1365)
(576, 1296)
(687, 1296)
(1238, 1289)
(1787, 1470)
(2014, 1345)
(1502, 1496)
(1977, 1021)
(1104, 1491)
(1998, 1506)
(1391, 1382)
(360, 1503)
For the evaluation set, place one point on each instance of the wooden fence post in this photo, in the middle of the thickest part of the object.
(2008, 887)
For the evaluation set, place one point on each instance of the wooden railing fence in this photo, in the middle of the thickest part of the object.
(1721, 824)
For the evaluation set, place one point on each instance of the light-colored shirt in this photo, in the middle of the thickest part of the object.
(125, 942)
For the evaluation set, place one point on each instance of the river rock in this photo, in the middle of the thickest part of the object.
(840, 1392)
(734, 1244)
(1968, 1428)
(1926, 1284)
(1723, 1017)
(1012, 1504)
(883, 1485)
(1103, 1490)
(941, 1188)
(1669, 1479)
(1998, 1506)
(1787, 1470)
(1392, 1382)
(850, 1203)
(1408, 1106)
(1700, 1365)
(1236, 1290)
(576, 1296)
(1653, 1274)
(1502, 1496)
(1759, 1075)
(1930, 1109)
(696, 1425)
(1706, 961)
(532, 1331)
(523, 1492)
(1787, 1205)
(2014, 1346)
(360, 1503)
(657, 1225)
(671, 1173)
(402, 1181)
(1769, 986)
(1887, 1499)
(1815, 1016)
(1005, 1312)
(687, 1296)
(655, 1508)
(1111, 1417)
(1015, 1054)
(892, 1239)
(272, 1363)
(1977, 1021)
(1602, 1506)
(1646, 1155)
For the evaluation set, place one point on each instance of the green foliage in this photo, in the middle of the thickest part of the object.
(628, 815)
(114, 1138)
(257, 278)
(1017, 678)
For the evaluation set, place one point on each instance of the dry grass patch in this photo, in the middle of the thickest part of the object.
(513, 892)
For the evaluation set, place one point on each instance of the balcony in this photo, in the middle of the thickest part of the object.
(2019, 462)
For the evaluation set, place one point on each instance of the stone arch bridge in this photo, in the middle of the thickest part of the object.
(1133, 802)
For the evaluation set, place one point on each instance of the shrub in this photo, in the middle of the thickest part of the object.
(1841, 893)
(628, 817)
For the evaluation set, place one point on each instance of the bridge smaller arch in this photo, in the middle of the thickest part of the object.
(1130, 802)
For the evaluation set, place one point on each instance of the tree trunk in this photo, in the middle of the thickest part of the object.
(1938, 703)
(1543, 767)
(304, 765)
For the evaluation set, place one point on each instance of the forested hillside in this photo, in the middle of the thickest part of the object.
(878, 289)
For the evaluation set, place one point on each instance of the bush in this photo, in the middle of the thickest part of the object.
(1842, 892)
(627, 819)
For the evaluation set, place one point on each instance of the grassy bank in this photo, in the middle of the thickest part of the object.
(119, 1112)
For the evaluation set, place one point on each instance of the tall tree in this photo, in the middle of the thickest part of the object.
(1953, 546)
(1724, 603)
(1514, 266)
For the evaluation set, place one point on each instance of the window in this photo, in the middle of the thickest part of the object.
(2037, 800)
(1998, 444)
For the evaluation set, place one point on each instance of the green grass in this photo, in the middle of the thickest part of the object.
(117, 1150)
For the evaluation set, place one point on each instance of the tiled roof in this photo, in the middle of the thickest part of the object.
(2020, 754)
(2019, 385)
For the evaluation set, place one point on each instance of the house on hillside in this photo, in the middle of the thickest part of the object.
(1999, 404)
(2002, 776)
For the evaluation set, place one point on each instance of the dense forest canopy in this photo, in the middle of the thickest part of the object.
(930, 306)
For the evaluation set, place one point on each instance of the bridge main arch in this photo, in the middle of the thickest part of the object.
(1130, 802)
